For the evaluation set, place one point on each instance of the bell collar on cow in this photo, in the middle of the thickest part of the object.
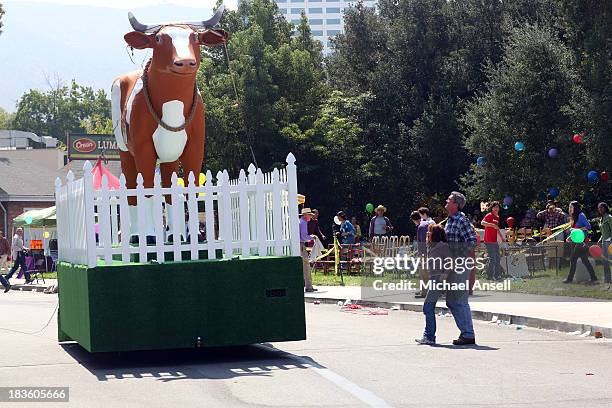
(195, 25)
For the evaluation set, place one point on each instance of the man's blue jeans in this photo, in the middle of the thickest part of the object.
(429, 309)
(457, 302)
(20, 261)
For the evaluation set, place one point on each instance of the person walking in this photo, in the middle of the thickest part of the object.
(422, 221)
(491, 232)
(358, 234)
(605, 227)
(437, 253)
(305, 241)
(461, 239)
(18, 252)
(379, 224)
(579, 250)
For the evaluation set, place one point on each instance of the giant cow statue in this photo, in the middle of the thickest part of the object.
(157, 112)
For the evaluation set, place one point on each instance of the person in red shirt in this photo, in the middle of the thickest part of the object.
(491, 231)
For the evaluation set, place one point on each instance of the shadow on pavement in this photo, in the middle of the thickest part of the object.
(172, 365)
(469, 347)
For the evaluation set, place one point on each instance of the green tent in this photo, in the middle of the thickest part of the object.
(36, 218)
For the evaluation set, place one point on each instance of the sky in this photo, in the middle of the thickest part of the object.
(127, 4)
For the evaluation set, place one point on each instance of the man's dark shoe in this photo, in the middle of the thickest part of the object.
(462, 341)
(6, 289)
(29, 281)
(311, 290)
(593, 282)
(566, 281)
(419, 295)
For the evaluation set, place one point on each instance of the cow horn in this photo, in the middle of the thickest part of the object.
(143, 28)
(211, 22)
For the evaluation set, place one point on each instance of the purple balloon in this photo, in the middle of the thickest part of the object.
(507, 200)
(552, 153)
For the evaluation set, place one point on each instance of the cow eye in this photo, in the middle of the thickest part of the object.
(158, 38)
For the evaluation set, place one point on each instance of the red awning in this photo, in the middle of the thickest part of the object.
(98, 171)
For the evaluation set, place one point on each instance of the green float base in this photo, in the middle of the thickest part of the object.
(187, 304)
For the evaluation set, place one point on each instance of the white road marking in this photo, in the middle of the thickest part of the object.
(366, 396)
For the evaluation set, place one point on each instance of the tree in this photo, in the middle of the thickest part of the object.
(5, 119)
(534, 96)
(1, 16)
(61, 109)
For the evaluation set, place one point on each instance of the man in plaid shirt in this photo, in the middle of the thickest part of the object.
(552, 216)
(461, 238)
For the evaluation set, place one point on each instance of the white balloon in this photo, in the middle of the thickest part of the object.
(337, 220)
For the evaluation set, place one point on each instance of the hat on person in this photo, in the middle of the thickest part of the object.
(306, 211)
(381, 207)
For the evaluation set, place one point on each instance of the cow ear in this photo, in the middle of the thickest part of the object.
(139, 40)
(212, 38)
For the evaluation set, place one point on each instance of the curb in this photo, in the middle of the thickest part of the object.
(528, 321)
(29, 288)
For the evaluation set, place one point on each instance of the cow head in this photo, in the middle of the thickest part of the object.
(176, 46)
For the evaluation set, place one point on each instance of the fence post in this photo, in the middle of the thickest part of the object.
(243, 205)
(88, 202)
(157, 217)
(260, 214)
(209, 210)
(176, 215)
(294, 227)
(104, 230)
(141, 214)
(126, 230)
(225, 214)
(192, 209)
(277, 205)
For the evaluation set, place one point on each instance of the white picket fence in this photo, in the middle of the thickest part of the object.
(253, 215)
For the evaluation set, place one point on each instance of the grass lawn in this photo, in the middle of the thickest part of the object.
(546, 282)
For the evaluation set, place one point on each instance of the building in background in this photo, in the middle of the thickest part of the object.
(324, 16)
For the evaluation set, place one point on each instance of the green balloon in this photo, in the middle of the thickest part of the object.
(369, 207)
(577, 236)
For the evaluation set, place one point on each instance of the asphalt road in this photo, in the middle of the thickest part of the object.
(350, 359)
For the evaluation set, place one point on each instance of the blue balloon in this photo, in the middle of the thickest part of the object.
(28, 220)
(553, 192)
(519, 146)
(593, 176)
(552, 153)
(481, 161)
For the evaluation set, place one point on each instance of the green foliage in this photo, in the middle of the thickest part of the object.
(61, 109)
(5, 119)
(534, 96)
(1, 16)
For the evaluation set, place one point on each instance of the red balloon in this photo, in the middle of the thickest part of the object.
(510, 221)
(577, 138)
(595, 251)
(604, 176)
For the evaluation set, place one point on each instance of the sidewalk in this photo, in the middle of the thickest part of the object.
(567, 314)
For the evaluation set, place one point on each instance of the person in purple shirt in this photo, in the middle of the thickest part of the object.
(305, 241)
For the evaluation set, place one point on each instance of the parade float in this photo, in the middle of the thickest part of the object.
(163, 262)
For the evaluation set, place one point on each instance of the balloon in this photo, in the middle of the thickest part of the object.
(577, 138)
(180, 182)
(337, 220)
(481, 161)
(510, 221)
(552, 153)
(508, 200)
(604, 176)
(46, 235)
(28, 220)
(370, 207)
(519, 146)
(595, 251)
(554, 191)
(577, 236)
(202, 179)
(592, 176)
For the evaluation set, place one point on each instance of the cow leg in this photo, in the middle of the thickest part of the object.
(145, 160)
(128, 168)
